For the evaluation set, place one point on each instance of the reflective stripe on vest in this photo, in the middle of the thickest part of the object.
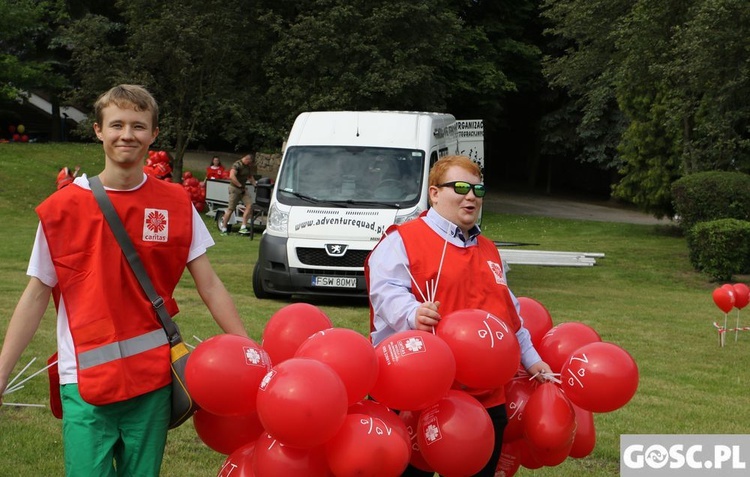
(122, 349)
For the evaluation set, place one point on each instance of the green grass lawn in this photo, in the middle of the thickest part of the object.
(643, 296)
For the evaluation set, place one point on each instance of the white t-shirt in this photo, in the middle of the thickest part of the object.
(41, 267)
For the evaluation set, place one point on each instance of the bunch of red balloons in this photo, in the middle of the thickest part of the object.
(195, 190)
(158, 165)
(547, 423)
(730, 296)
(294, 404)
(316, 400)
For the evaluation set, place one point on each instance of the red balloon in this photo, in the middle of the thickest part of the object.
(349, 353)
(510, 459)
(226, 434)
(600, 377)
(560, 342)
(528, 457)
(517, 394)
(536, 318)
(455, 435)
(239, 463)
(367, 446)
(486, 350)
(411, 421)
(289, 327)
(16, 137)
(416, 368)
(724, 299)
(274, 459)
(741, 295)
(585, 439)
(302, 402)
(223, 374)
(549, 421)
(552, 457)
(381, 412)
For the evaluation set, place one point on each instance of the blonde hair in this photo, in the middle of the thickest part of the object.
(440, 168)
(128, 96)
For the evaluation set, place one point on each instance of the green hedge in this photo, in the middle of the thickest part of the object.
(711, 195)
(720, 248)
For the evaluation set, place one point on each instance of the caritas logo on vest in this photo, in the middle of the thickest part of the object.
(155, 225)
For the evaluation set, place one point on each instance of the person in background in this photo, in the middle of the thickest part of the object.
(66, 177)
(411, 254)
(116, 404)
(241, 172)
(215, 170)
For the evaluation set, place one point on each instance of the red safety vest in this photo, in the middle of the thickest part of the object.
(471, 277)
(121, 347)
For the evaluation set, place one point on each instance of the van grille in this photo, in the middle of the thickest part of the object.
(319, 257)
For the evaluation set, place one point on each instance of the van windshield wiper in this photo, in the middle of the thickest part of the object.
(309, 198)
(392, 205)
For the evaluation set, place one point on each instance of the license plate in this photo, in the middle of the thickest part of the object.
(338, 282)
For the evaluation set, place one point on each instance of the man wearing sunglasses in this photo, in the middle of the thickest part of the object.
(444, 247)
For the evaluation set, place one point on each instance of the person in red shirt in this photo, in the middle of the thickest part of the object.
(216, 169)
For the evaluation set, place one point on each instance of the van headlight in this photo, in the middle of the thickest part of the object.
(400, 219)
(277, 219)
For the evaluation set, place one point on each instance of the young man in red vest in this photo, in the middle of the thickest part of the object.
(116, 406)
(471, 276)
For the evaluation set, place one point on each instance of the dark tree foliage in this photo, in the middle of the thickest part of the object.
(649, 90)
(667, 84)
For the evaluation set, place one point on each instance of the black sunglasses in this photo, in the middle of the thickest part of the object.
(463, 188)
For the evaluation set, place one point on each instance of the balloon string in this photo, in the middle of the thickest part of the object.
(414, 281)
(547, 377)
(10, 384)
(19, 385)
(19, 404)
(440, 269)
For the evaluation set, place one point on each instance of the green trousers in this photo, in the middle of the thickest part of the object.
(124, 439)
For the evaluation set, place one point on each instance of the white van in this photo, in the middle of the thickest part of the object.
(344, 178)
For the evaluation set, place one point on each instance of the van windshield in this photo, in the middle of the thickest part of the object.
(351, 176)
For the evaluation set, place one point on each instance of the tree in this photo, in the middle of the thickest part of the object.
(678, 74)
(650, 146)
(711, 68)
(187, 53)
(360, 55)
(583, 63)
(28, 60)
(19, 20)
(497, 77)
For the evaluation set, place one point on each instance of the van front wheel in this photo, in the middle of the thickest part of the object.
(260, 293)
